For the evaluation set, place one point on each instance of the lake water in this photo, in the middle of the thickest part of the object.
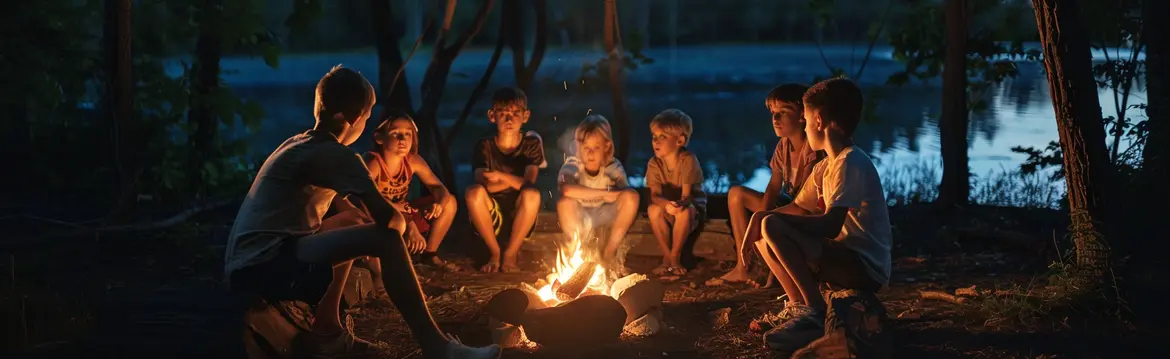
(722, 88)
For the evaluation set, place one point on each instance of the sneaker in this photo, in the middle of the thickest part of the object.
(771, 320)
(796, 332)
(456, 350)
(341, 345)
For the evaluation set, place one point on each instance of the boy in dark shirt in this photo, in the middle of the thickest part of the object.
(505, 168)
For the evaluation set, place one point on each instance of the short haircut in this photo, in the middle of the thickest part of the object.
(394, 114)
(674, 121)
(509, 96)
(790, 93)
(595, 125)
(838, 101)
(345, 91)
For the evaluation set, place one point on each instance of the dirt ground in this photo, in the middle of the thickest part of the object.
(163, 291)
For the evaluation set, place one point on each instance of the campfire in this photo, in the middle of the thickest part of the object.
(576, 306)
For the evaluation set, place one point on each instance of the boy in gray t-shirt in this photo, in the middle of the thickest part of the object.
(837, 230)
(282, 248)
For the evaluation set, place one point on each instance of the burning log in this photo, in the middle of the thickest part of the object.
(508, 306)
(582, 323)
(638, 294)
(576, 284)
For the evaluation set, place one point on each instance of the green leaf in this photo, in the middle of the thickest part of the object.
(252, 114)
(271, 54)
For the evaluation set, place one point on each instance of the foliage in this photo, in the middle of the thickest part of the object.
(66, 78)
(593, 75)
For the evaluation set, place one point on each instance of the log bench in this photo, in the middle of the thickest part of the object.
(712, 241)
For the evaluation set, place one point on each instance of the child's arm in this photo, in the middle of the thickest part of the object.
(343, 171)
(826, 225)
(428, 178)
(772, 192)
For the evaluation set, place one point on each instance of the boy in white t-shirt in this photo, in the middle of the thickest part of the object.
(837, 230)
(594, 185)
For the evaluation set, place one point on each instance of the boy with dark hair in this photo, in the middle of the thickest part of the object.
(675, 180)
(282, 248)
(792, 162)
(837, 230)
(504, 192)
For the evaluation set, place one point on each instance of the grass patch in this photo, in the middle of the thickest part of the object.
(917, 182)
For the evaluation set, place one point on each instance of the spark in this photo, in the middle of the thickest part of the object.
(566, 83)
(589, 111)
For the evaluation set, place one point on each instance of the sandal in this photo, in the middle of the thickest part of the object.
(661, 270)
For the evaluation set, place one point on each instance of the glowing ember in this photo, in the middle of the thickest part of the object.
(570, 260)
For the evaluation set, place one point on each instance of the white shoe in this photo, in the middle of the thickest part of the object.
(456, 350)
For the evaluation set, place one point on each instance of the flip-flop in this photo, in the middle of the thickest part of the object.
(679, 271)
(661, 270)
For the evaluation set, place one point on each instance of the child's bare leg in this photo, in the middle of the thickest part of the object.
(478, 210)
(627, 211)
(440, 226)
(682, 228)
(743, 244)
(343, 245)
(569, 215)
(740, 201)
(326, 319)
(780, 272)
(795, 250)
(527, 207)
(661, 230)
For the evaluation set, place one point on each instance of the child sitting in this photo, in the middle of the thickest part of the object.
(791, 163)
(505, 168)
(393, 163)
(594, 187)
(281, 247)
(837, 230)
(675, 180)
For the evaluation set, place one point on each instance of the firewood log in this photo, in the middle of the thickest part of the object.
(638, 294)
(508, 306)
(576, 284)
(575, 325)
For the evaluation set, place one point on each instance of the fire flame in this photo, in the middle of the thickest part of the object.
(567, 264)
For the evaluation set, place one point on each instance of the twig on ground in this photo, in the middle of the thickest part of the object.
(936, 295)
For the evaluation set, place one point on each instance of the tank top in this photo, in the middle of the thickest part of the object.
(393, 185)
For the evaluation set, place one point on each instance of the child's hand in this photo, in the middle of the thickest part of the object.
(491, 176)
(673, 208)
(436, 211)
(611, 196)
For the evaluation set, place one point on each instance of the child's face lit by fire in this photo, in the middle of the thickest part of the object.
(593, 151)
(787, 122)
(396, 140)
(509, 118)
(665, 143)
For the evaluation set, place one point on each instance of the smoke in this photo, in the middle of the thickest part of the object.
(567, 142)
(596, 225)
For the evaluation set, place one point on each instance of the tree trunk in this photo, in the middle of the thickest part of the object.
(616, 83)
(1156, 155)
(512, 17)
(644, 23)
(1068, 63)
(201, 117)
(393, 89)
(955, 187)
(479, 89)
(120, 105)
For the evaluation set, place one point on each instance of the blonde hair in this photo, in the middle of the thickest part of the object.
(383, 129)
(675, 122)
(596, 125)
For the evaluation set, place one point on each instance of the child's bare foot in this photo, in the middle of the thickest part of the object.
(508, 265)
(492, 265)
(736, 275)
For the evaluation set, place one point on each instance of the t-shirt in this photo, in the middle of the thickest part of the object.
(851, 180)
(290, 195)
(794, 168)
(394, 185)
(612, 176)
(487, 155)
(687, 173)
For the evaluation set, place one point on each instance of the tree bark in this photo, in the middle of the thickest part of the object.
(617, 85)
(120, 105)
(955, 187)
(201, 117)
(1156, 155)
(435, 82)
(393, 89)
(512, 18)
(479, 89)
(1068, 63)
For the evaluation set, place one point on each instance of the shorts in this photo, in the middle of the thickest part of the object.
(419, 217)
(843, 268)
(503, 210)
(284, 278)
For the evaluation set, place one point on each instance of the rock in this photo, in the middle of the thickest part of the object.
(506, 335)
(856, 327)
(719, 317)
(508, 305)
(643, 326)
(638, 294)
(579, 324)
(270, 330)
(357, 286)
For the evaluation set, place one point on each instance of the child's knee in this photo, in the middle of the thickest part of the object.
(655, 212)
(628, 197)
(530, 197)
(475, 193)
(449, 204)
(735, 196)
(566, 203)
